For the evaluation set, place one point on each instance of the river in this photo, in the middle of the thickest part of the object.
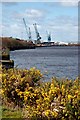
(56, 61)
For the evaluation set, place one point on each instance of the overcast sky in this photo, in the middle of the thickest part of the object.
(59, 18)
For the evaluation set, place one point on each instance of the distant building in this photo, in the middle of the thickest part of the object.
(47, 43)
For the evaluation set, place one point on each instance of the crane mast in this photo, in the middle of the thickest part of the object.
(29, 34)
(48, 36)
(37, 33)
(28, 31)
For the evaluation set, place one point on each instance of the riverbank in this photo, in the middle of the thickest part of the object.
(16, 44)
(22, 90)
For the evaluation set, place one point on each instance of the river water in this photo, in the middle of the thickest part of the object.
(56, 61)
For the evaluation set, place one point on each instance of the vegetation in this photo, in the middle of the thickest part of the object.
(15, 44)
(35, 100)
(11, 113)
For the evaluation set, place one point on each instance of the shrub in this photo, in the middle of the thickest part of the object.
(58, 99)
(15, 82)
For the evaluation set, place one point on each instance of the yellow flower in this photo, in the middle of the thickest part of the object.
(47, 112)
(63, 87)
(54, 113)
(27, 92)
(25, 98)
(1, 91)
(20, 93)
(69, 97)
(17, 90)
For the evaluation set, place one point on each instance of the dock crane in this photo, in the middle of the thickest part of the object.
(29, 35)
(37, 33)
(28, 31)
(48, 36)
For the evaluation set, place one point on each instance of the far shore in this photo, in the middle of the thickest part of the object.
(18, 44)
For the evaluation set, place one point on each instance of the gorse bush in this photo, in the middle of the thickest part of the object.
(55, 100)
(59, 99)
(15, 82)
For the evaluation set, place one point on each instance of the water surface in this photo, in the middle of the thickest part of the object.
(60, 61)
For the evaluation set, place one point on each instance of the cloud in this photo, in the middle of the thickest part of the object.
(10, 29)
(32, 13)
(31, 16)
(18, 30)
(63, 27)
(29, 13)
(9, 4)
(69, 2)
(64, 3)
(15, 22)
(17, 0)
(63, 20)
(15, 26)
(29, 0)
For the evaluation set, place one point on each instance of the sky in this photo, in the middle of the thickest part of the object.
(59, 18)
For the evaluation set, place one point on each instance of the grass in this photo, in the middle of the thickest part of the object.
(0, 111)
(8, 113)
